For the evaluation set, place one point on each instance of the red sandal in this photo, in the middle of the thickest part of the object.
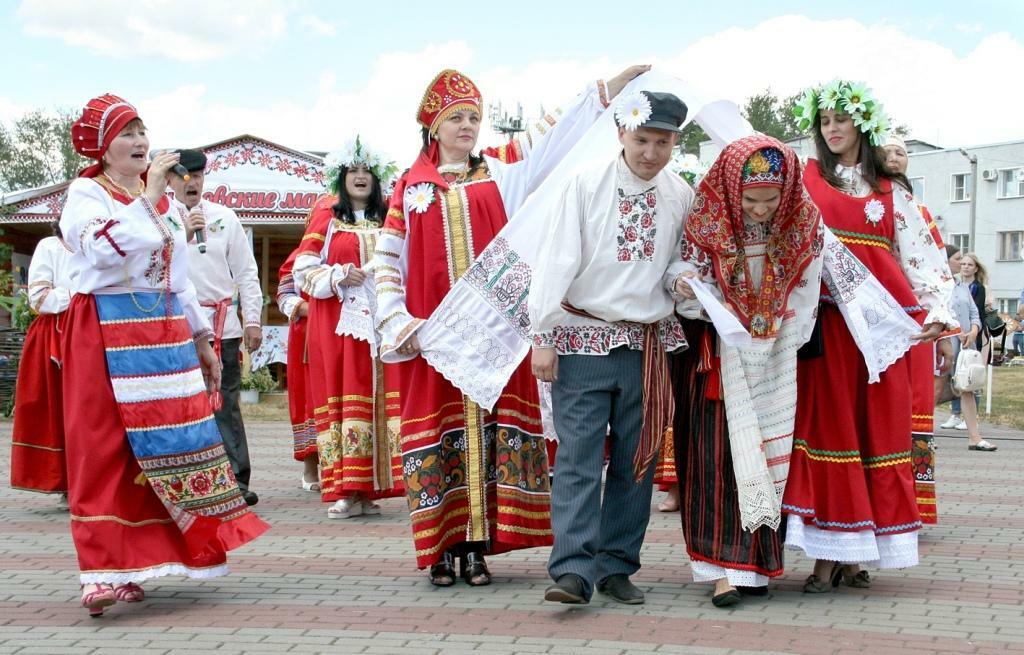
(129, 593)
(97, 599)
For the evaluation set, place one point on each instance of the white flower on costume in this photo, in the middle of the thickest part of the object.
(874, 210)
(419, 197)
(633, 111)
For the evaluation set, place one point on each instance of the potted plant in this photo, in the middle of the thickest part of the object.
(255, 382)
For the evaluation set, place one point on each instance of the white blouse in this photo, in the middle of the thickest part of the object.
(612, 251)
(228, 264)
(117, 248)
(50, 284)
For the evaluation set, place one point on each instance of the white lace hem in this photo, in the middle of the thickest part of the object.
(124, 577)
(708, 572)
(893, 551)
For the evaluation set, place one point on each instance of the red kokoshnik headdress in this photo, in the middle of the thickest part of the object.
(716, 226)
(449, 92)
(102, 119)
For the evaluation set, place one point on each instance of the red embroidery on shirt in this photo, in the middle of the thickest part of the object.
(105, 233)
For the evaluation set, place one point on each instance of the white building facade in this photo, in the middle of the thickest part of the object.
(942, 181)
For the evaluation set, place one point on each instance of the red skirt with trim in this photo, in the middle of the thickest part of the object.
(121, 529)
(356, 411)
(513, 492)
(922, 386)
(850, 469)
(300, 398)
(37, 448)
(665, 468)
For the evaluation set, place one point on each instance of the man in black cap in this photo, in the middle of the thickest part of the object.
(220, 263)
(602, 315)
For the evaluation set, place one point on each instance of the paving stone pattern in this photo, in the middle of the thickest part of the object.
(314, 585)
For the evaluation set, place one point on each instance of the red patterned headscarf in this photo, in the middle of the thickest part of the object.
(102, 119)
(715, 225)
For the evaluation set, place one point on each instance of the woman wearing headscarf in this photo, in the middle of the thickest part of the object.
(754, 237)
(150, 488)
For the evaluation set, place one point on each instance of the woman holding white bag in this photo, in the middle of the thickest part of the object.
(966, 312)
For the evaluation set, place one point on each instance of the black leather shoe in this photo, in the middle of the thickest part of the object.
(569, 589)
(621, 589)
(752, 591)
(726, 599)
(442, 574)
(473, 569)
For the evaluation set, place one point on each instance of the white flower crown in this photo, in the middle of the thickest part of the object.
(355, 152)
(853, 98)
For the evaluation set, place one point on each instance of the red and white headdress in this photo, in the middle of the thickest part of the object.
(448, 93)
(102, 119)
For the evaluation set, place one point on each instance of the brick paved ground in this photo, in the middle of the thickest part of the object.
(313, 585)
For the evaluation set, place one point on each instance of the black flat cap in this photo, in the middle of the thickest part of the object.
(192, 160)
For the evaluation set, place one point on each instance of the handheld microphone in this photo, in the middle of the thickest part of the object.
(201, 240)
(182, 171)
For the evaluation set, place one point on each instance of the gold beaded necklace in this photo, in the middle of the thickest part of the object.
(126, 192)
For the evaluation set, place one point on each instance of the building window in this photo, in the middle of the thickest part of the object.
(1011, 183)
(1009, 246)
(961, 241)
(961, 187)
(1008, 306)
(917, 188)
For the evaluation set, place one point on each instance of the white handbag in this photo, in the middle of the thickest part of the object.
(970, 371)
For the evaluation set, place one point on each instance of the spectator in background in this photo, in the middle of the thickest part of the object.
(1018, 331)
(971, 324)
(220, 265)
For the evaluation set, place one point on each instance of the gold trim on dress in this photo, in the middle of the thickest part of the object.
(121, 521)
(32, 445)
(381, 442)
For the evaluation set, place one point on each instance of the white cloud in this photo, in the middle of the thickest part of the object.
(317, 26)
(943, 98)
(383, 111)
(968, 28)
(184, 30)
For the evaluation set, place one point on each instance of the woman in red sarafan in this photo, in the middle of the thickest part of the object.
(37, 438)
(295, 305)
(850, 495)
(355, 396)
(150, 488)
(476, 479)
(922, 361)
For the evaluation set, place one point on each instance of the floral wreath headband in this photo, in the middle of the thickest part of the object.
(356, 152)
(852, 98)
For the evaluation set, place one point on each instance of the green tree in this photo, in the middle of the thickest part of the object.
(691, 138)
(37, 151)
(772, 116)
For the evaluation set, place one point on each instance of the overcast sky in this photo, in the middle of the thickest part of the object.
(309, 74)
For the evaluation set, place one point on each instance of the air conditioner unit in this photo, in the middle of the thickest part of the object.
(989, 174)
